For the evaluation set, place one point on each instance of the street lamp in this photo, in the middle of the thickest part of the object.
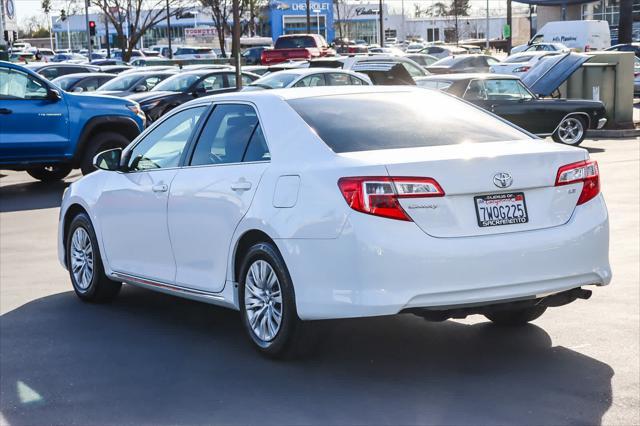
(317, 12)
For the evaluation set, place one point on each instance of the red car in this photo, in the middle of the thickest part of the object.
(296, 47)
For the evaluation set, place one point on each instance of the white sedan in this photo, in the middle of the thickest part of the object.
(309, 77)
(309, 204)
(520, 63)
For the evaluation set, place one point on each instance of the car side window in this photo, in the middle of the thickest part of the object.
(502, 90)
(150, 82)
(90, 84)
(212, 82)
(163, 146)
(231, 133)
(356, 81)
(413, 70)
(246, 80)
(50, 73)
(338, 79)
(475, 91)
(16, 84)
(257, 149)
(312, 81)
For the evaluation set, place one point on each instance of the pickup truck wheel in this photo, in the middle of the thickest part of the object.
(101, 142)
(50, 173)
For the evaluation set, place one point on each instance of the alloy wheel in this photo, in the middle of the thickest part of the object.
(263, 300)
(570, 131)
(81, 258)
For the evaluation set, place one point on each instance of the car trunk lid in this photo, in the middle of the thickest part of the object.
(466, 173)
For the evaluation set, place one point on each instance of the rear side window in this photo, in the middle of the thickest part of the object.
(399, 120)
(295, 42)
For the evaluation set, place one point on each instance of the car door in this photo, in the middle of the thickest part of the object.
(137, 243)
(506, 99)
(210, 196)
(33, 124)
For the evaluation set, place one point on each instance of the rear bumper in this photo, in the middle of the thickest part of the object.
(380, 266)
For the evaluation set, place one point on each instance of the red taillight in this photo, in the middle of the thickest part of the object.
(263, 57)
(378, 195)
(583, 171)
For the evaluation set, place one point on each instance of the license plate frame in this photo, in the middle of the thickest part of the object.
(505, 199)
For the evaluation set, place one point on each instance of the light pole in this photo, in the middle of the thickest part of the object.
(236, 42)
(86, 20)
(317, 12)
(169, 30)
(486, 30)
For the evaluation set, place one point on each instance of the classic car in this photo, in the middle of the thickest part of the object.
(532, 103)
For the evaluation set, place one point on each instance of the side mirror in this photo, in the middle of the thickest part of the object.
(78, 90)
(140, 88)
(54, 95)
(108, 160)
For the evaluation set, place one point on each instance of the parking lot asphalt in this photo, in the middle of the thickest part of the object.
(152, 359)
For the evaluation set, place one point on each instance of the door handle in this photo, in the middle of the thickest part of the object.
(160, 188)
(241, 185)
(5, 111)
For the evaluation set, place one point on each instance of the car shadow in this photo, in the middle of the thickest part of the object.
(149, 358)
(594, 150)
(31, 195)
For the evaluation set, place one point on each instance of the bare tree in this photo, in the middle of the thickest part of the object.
(345, 10)
(131, 19)
(222, 12)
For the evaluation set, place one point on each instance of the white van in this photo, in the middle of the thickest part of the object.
(581, 36)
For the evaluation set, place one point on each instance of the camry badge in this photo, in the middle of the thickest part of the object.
(502, 180)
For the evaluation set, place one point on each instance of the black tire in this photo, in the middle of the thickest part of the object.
(50, 173)
(97, 144)
(516, 316)
(100, 288)
(284, 344)
(577, 121)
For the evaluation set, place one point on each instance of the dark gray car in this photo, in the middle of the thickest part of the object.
(134, 82)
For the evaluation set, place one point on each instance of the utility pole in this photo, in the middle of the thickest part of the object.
(236, 42)
(455, 11)
(625, 24)
(509, 25)
(169, 30)
(86, 20)
(308, 10)
(486, 30)
(106, 34)
(381, 15)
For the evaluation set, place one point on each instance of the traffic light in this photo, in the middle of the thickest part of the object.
(63, 15)
(92, 28)
(6, 36)
(15, 36)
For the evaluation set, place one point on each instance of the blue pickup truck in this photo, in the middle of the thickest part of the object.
(49, 132)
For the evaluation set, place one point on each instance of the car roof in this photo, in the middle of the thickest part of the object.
(470, 76)
(81, 75)
(310, 92)
(306, 71)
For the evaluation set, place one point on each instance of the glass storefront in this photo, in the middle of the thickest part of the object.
(609, 10)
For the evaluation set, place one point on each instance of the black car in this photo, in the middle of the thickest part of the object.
(462, 64)
(83, 82)
(186, 86)
(55, 70)
(626, 47)
(136, 82)
(566, 120)
(252, 55)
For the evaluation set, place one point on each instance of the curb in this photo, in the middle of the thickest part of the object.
(613, 134)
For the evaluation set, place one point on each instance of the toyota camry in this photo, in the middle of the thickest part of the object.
(318, 203)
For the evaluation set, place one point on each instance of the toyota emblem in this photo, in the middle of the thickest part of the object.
(502, 180)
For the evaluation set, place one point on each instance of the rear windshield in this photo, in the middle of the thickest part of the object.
(295, 42)
(373, 121)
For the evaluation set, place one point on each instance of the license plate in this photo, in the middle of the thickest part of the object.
(501, 209)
